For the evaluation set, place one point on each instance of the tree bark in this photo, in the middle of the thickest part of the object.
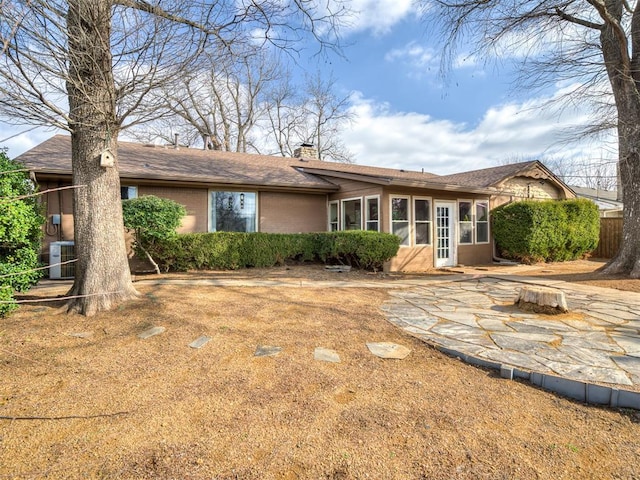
(624, 76)
(102, 277)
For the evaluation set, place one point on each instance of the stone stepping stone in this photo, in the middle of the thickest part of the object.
(267, 351)
(200, 342)
(388, 350)
(326, 355)
(80, 334)
(151, 332)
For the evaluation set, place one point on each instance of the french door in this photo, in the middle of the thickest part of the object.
(446, 247)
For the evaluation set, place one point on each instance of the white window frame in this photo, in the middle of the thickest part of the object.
(466, 222)
(476, 221)
(414, 235)
(210, 206)
(337, 222)
(408, 220)
(130, 188)
(367, 220)
(342, 211)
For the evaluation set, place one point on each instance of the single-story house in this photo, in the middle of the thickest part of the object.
(441, 220)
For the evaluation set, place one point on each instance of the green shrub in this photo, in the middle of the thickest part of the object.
(153, 219)
(21, 223)
(531, 231)
(230, 250)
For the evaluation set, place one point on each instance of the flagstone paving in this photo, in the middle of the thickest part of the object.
(597, 341)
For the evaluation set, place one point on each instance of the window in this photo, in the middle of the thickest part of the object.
(422, 221)
(400, 218)
(334, 225)
(128, 191)
(465, 220)
(371, 212)
(482, 221)
(352, 214)
(233, 212)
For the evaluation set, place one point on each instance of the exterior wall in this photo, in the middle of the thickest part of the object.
(56, 203)
(412, 259)
(292, 212)
(194, 199)
(526, 188)
(417, 258)
(480, 254)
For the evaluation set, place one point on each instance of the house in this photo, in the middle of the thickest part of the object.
(441, 220)
(607, 201)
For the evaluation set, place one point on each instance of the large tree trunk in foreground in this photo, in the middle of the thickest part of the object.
(623, 71)
(102, 276)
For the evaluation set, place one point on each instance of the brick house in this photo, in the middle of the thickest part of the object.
(442, 220)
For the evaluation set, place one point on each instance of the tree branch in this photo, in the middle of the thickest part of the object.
(578, 21)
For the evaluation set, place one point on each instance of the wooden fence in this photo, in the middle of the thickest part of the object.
(610, 238)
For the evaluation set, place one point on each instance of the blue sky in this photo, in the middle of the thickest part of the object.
(407, 116)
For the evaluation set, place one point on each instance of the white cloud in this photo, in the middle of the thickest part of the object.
(378, 16)
(415, 141)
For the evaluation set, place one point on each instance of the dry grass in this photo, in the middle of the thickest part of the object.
(222, 413)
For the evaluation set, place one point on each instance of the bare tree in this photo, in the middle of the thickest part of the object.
(89, 66)
(594, 42)
(326, 115)
(312, 114)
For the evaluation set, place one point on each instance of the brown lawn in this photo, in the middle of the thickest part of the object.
(114, 406)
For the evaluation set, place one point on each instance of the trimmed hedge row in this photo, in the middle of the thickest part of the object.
(231, 250)
(531, 231)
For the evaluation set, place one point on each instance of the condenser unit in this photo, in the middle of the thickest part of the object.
(60, 252)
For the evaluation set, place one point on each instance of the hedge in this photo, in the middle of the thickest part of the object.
(231, 250)
(531, 231)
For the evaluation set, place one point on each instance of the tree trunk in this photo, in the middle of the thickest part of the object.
(102, 277)
(624, 76)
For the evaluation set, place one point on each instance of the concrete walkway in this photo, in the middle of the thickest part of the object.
(590, 354)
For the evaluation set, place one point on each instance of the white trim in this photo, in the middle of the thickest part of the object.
(342, 211)
(366, 211)
(488, 222)
(409, 219)
(452, 259)
(337, 204)
(470, 221)
(413, 224)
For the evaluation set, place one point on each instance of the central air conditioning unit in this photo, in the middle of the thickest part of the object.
(59, 253)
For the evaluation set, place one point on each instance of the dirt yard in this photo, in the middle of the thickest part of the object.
(114, 406)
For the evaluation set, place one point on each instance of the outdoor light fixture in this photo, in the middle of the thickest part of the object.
(242, 201)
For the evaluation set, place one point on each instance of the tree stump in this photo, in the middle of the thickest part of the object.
(542, 300)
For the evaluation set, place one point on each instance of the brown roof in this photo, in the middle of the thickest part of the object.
(489, 177)
(140, 162)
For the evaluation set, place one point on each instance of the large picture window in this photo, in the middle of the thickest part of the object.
(233, 211)
(482, 221)
(372, 213)
(422, 221)
(400, 218)
(465, 220)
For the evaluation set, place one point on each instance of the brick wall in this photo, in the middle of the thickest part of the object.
(194, 200)
(292, 212)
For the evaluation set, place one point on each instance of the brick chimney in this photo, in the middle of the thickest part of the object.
(306, 150)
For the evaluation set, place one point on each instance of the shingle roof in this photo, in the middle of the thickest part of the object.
(488, 177)
(137, 161)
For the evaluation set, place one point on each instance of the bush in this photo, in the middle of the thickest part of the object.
(531, 231)
(21, 223)
(230, 250)
(153, 219)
